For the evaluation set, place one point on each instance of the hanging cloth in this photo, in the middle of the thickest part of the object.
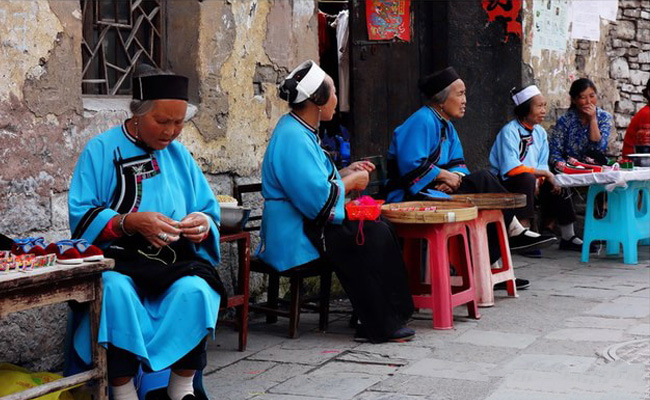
(342, 36)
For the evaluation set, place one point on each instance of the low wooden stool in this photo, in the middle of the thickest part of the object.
(489, 211)
(418, 220)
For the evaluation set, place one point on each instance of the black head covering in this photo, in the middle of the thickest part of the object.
(437, 82)
(154, 87)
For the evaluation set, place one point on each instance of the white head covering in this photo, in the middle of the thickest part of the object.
(525, 94)
(310, 83)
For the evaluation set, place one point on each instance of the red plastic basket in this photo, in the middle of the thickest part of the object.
(359, 212)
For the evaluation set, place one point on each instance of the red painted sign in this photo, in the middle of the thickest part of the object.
(388, 19)
(507, 11)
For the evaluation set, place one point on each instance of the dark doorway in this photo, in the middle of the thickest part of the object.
(385, 75)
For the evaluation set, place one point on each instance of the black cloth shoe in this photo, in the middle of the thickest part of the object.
(523, 242)
(532, 253)
(570, 245)
(403, 334)
(360, 335)
(521, 284)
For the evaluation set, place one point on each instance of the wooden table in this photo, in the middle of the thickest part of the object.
(239, 299)
(50, 285)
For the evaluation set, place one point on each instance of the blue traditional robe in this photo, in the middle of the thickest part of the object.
(115, 175)
(421, 146)
(515, 146)
(299, 182)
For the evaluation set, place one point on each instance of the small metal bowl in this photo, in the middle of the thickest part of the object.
(640, 160)
(233, 219)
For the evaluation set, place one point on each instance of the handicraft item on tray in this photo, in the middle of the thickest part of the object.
(429, 212)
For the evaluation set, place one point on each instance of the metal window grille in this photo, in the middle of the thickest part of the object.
(117, 35)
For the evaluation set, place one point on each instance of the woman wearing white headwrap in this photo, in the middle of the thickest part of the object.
(519, 157)
(304, 217)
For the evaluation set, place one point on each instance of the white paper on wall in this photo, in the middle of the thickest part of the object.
(585, 20)
(550, 24)
(608, 9)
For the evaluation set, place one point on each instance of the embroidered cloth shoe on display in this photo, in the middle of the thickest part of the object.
(89, 252)
(29, 245)
(65, 251)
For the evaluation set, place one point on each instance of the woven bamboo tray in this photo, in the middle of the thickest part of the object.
(415, 212)
(493, 201)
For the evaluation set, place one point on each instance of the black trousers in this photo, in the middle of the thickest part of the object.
(524, 184)
(122, 363)
(484, 181)
(553, 206)
(372, 274)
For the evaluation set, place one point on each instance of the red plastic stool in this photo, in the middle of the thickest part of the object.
(489, 211)
(486, 277)
(439, 295)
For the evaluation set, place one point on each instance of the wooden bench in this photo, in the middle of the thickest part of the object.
(50, 285)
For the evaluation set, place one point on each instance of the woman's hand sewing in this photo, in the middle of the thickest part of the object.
(158, 229)
(195, 227)
(357, 180)
(357, 166)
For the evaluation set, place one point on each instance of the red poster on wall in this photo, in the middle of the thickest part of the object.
(388, 19)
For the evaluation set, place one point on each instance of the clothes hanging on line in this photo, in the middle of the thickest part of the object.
(342, 39)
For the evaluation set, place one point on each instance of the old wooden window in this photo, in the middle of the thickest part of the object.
(117, 35)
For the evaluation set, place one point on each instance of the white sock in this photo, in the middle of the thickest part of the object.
(516, 228)
(180, 386)
(125, 392)
(566, 231)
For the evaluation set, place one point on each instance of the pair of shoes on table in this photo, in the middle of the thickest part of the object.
(30, 245)
(74, 251)
(573, 245)
(527, 241)
(520, 284)
(403, 334)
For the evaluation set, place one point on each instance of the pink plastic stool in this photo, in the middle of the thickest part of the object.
(439, 295)
(485, 276)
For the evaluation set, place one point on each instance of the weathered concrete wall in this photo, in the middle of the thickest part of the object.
(612, 63)
(234, 59)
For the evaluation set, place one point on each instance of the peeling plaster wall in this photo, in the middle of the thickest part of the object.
(235, 59)
(554, 71)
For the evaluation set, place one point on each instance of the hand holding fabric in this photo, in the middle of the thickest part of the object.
(357, 166)
(357, 180)
(158, 229)
(195, 227)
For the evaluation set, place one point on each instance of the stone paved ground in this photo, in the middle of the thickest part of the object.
(582, 332)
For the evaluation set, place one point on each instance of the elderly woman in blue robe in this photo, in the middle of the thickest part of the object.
(426, 154)
(139, 194)
(304, 217)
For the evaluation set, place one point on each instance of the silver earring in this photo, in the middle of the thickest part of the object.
(137, 130)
